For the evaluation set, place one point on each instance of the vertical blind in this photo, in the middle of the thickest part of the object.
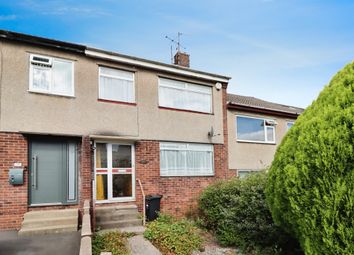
(116, 85)
(185, 159)
(184, 95)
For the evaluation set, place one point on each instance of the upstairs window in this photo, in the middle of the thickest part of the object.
(51, 75)
(289, 125)
(186, 159)
(185, 96)
(251, 129)
(116, 85)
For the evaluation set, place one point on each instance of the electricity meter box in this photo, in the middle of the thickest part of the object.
(16, 176)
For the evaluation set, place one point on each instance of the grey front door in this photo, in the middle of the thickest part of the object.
(52, 171)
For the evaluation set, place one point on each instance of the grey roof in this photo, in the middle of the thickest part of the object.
(80, 48)
(261, 104)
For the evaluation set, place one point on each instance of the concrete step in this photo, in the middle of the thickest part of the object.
(45, 214)
(33, 223)
(47, 230)
(124, 209)
(120, 224)
(49, 221)
(117, 216)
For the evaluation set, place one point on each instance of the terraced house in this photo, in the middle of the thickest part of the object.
(79, 123)
(83, 123)
(255, 129)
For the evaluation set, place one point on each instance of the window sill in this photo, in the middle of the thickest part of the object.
(256, 142)
(115, 102)
(183, 110)
(186, 176)
(115, 201)
(50, 94)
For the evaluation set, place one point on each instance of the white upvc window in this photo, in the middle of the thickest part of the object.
(251, 129)
(243, 173)
(289, 124)
(116, 85)
(185, 96)
(186, 159)
(51, 75)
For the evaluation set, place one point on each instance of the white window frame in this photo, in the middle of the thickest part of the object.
(265, 130)
(118, 78)
(49, 91)
(249, 171)
(186, 88)
(188, 145)
(110, 198)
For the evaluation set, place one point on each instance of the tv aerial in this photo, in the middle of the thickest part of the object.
(177, 43)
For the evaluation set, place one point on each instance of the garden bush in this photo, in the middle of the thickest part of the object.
(173, 236)
(311, 183)
(113, 241)
(237, 212)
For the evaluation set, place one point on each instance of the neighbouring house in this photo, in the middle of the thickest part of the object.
(84, 123)
(255, 129)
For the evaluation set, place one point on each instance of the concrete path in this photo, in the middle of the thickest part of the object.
(49, 244)
(139, 245)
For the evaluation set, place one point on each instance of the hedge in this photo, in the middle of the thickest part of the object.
(311, 184)
(237, 212)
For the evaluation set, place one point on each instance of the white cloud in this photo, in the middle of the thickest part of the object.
(62, 8)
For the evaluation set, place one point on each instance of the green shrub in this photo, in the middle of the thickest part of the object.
(311, 182)
(237, 212)
(173, 236)
(114, 242)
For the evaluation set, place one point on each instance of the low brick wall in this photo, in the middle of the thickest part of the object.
(86, 233)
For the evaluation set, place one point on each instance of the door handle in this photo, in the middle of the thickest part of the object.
(34, 171)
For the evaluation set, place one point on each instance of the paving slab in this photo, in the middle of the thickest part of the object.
(139, 245)
(49, 244)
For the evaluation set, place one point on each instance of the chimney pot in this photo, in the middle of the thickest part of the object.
(181, 59)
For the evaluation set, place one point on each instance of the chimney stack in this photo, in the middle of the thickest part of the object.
(181, 59)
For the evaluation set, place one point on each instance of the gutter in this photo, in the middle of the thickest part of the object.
(111, 56)
(262, 110)
(116, 57)
(19, 37)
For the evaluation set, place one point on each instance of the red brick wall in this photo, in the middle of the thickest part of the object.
(85, 166)
(179, 193)
(13, 199)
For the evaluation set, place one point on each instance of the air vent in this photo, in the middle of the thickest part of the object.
(41, 60)
(270, 123)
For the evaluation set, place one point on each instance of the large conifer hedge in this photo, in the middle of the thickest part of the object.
(311, 181)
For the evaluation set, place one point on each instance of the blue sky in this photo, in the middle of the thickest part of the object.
(284, 51)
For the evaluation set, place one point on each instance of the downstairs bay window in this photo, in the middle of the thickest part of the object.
(186, 159)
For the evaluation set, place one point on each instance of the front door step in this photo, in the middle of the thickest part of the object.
(49, 221)
(118, 217)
